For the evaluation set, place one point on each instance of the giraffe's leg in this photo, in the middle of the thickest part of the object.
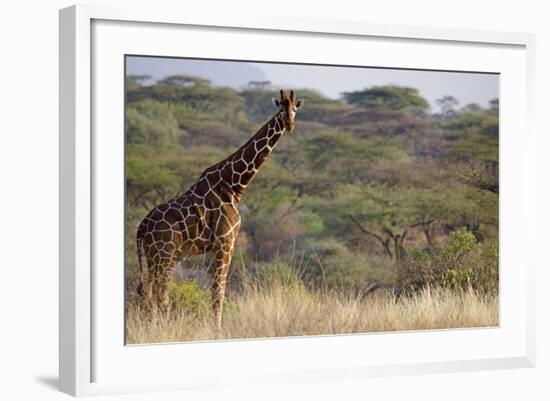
(165, 277)
(150, 283)
(222, 259)
(152, 289)
(149, 291)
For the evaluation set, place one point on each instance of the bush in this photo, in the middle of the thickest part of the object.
(331, 264)
(190, 297)
(461, 264)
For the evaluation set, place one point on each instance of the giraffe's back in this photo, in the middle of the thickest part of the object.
(174, 228)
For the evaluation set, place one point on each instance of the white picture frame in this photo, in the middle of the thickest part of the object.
(85, 337)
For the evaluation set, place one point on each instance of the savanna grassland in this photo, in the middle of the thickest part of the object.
(376, 214)
(281, 308)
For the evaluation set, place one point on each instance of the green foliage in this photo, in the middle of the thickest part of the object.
(134, 82)
(258, 104)
(147, 175)
(462, 263)
(190, 297)
(184, 81)
(150, 122)
(332, 264)
(349, 156)
(312, 221)
(475, 119)
(200, 96)
(472, 134)
(447, 104)
(393, 97)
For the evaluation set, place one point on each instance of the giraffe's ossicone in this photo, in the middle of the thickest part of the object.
(205, 218)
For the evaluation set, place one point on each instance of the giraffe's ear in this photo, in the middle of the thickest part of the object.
(276, 102)
(299, 103)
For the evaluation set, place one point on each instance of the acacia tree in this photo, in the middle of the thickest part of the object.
(382, 214)
(388, 214)
(184, 81)
(134, 82)
(494, 106)
(472, 136)
(447, 104)
(389, 96)
(481, 175)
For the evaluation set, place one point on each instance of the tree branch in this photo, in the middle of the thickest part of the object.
(421, 223)
(383, 241)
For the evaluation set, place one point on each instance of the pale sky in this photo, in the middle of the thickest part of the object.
(329, 80)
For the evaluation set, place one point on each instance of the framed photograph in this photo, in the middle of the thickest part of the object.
(271, 200)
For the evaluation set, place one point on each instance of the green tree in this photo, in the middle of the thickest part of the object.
(390, 96)
(447, 104)
(151, 122)
(134, 82)
(184, 81)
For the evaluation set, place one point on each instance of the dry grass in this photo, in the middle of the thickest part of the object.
(293, 310)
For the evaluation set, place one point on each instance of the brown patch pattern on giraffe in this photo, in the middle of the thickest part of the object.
(205, 218)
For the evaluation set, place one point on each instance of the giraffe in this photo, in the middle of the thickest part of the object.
(205, 218)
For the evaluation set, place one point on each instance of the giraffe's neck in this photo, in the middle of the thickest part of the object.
(241, 167)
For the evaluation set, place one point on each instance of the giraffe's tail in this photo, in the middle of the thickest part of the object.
(139, 246)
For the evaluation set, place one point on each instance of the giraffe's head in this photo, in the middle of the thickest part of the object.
(287, 107)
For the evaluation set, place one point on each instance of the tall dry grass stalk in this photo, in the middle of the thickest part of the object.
(290, 309)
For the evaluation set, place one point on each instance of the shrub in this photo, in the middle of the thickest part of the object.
(331, 264)
(462, 263)
(487, 279)
(190, 297)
